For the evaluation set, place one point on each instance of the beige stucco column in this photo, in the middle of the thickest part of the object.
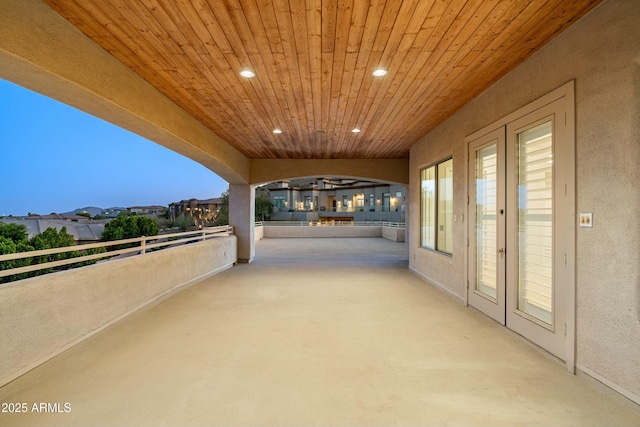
(242, 218)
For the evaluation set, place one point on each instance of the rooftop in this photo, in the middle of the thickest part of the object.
(81, 230)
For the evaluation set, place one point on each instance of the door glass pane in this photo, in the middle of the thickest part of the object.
(445, 206)
(535, 226)
(486, 221)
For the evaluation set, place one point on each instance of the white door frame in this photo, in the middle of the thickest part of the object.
(566, 182)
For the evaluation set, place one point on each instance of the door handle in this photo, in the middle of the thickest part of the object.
(502, 251)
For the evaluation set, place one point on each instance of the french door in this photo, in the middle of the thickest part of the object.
(520, 177)
(487, 268)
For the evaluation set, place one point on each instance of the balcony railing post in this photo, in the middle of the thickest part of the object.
(143, 244)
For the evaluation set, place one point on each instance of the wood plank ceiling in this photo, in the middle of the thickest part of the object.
(313, 63)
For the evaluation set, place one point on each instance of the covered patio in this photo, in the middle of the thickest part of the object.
(313, 332)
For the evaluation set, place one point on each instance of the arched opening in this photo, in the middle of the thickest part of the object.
(313, 199)
(65, 161)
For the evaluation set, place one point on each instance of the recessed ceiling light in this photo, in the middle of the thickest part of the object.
(356, 130)
(277, 131)
(247, 73)
(321, 131)
(379, 72)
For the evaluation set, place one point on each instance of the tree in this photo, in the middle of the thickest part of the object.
(223, 213)
(128, 227)
(264, 208)
(263, 205)
(183, 222)
(52, 238)
(14, 232)
(13, 240)
(49, 239)
(8, 246)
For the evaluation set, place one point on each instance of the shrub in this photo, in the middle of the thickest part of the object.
(128, 227)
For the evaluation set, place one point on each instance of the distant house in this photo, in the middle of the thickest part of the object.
(361, 200)
(202, 211)
(55, 216)
(83, 232)
(146, 210)
(112, 212)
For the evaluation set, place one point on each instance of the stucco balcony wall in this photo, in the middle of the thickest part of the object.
(321, 231)
(259, 233)
(394, 234)
(284, 231)
(43, 316)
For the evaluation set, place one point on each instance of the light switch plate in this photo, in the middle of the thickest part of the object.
(586, 219)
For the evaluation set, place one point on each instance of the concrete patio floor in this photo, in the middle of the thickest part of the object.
(313, 332)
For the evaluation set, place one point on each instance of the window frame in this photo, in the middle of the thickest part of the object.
(434, 207)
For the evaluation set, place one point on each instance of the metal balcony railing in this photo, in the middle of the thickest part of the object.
(350, 209)
(333, 223)
(125, 247)
(393, 224)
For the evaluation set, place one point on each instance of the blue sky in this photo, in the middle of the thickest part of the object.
(54, 158)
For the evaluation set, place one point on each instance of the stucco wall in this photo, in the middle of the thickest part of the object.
(42, 316)
(602, 53)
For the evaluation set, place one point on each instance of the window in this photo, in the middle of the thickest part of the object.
(279, 201)
(386, 202)
(360, 200)
(436, 207)
(371, 200)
